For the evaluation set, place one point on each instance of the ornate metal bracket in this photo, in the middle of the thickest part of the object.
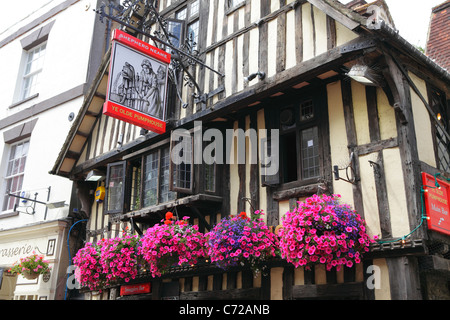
(183, 57)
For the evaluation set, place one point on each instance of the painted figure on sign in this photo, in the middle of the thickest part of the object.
(149, 90)
(125, 89)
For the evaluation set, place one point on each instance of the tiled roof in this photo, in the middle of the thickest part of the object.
(438, 44)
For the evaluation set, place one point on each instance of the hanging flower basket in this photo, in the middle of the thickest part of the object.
(30, 275)
(89, 272)
(241, 241)
(323, 231)
(31, 267)
(171, 243)
(119, 257)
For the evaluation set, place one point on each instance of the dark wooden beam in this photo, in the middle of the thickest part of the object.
(353, 290)
(231, 294)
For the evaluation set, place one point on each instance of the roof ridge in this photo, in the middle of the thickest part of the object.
(441, 6)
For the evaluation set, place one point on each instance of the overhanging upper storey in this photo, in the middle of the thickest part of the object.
(249, 52)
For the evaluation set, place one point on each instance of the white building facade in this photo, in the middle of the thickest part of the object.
(47, 60)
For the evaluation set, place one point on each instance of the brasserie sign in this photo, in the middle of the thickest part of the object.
(137, 84)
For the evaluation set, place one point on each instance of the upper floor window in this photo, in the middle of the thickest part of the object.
(234, 3)
(190, 14)
(14, 174)
(34, 47)
(438, 103)
(299, 147)
(154, 177)
(32, 70)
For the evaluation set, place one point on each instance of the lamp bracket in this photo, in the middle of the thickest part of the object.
(184, 56)
(349, 171)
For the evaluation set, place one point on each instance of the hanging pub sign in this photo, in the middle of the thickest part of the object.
(137, 84)
(436, 196)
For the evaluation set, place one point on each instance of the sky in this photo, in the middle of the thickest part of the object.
(411, 17)
(15, 11)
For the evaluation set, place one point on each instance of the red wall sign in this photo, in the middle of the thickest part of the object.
(137, 85)
(437, 203)
(135, 289)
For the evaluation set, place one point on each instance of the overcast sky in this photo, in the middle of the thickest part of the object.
(14, 11)
(411, 17)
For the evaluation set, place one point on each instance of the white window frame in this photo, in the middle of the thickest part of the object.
(10, 174)
(32, 74)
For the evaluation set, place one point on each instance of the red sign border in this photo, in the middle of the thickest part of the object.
(136, 44)
(430, 218)
(134, 117)
(127, 114)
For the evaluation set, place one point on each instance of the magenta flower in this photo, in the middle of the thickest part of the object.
(167, 245)
(321, 230)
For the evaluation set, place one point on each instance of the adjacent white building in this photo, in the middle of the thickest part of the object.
(47, 61)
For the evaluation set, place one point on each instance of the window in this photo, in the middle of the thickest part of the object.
(153, 177)
(438, 104)
(32, 70)
(210, 177)
(182, 161)
(139, 183)
(175, 28)
(298, 144)
(115, 186)
(190, 15)
(234, 3)
(15, 173)
(156, 178)
(193, 35)
(185, 165)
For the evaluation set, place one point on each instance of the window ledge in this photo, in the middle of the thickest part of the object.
(235, 8)
(189, 200)
(298, 192)
(7, 214)
(23, 101)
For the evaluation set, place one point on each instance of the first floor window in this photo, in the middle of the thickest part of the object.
(156, 179)
(310, 152)
(140, 183)
(115, 183)
(299, 153)
(299, 142)
(15, 173)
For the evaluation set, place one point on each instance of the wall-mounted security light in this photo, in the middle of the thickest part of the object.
(95, 175)
(365, 75)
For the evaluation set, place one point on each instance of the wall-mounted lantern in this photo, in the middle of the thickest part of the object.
(365, 75)
(95, 175)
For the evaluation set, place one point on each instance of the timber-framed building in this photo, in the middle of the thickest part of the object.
(302, 52)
